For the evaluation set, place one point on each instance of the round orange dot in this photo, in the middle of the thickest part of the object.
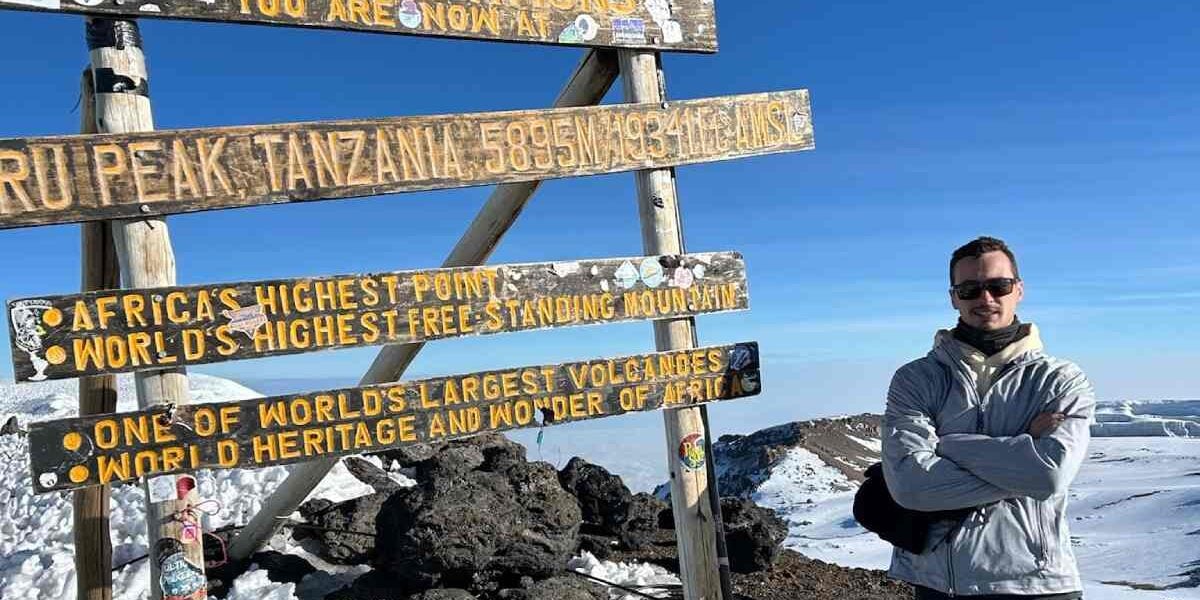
(56, 355)
(72, 441)
(78, 474)
(52, 317)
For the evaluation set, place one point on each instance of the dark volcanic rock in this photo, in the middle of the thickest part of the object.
(601, 546)
(753, 535)
(366, 472)
(282, 568)
(465, 527)
(373, 585)
(566, 587)
(603, 498)
(642, 520)
(793, 576)
(407, 456)
(11, 426)
(345, 531)
(444, 594)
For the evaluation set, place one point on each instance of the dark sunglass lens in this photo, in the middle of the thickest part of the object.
(1000, 287)
(968, 290)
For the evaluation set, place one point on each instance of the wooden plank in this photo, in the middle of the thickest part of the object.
(696, 513)
(104, 449)
(126, 330)
(674, 25)
(587, 85)
(63, 179)
(147, 259)
(97, 395)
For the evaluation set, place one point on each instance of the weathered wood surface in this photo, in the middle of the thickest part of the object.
(674, 25)
(128, 330)
(147, 260)
(662, 233)
(63, 179)
(97, 395)
(94, 450)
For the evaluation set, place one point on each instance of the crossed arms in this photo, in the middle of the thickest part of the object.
(927, 472)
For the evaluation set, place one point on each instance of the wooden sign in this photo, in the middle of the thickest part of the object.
(126, 330)
(684, 25)
(66, 179)
(102, 449)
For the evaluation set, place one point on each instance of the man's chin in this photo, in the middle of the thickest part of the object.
(990, 323)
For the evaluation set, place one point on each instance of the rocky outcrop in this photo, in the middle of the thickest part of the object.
(478, 519)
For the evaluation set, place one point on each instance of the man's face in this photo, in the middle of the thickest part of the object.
(987, 311)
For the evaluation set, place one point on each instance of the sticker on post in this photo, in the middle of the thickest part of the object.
(178, 578)
(247, 319)
(629, 31)
(651, 272)
(409, 14)
(186, 484)
(743, 363)
(161, 488)
(626, 275)
(587, 27)
(27, 317)
(672, 32)
(682, 278)
(691, 451)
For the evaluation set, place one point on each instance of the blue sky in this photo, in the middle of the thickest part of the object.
(1070, 129)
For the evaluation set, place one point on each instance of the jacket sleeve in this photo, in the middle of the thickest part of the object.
(1027, 466)
(916, 476)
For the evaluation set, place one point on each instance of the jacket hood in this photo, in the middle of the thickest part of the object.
(948, 350)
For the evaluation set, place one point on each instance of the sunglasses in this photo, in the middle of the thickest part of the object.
(996, 286)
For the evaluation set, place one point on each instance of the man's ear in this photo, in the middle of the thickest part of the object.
(953, 300)
(1020, 289)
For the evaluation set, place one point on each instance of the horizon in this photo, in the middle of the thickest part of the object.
(1037, 128)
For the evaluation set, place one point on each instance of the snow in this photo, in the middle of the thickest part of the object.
(1178, 418)
(640, 576)
(36, 541)
(1134, 514)
(37, 546)
(873, 445)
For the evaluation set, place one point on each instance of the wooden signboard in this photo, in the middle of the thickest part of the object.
(126, 330)
(684, 25)
(66, 179)
(102, 449)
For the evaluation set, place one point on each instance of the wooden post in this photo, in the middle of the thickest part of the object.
(144, 251)
(658, 210)
(98, 259)
(592, 79)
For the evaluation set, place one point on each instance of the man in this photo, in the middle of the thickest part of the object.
(988, 422)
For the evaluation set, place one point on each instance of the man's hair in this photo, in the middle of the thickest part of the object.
(977, 247)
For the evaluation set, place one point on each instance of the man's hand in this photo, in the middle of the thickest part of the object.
(1045, 423)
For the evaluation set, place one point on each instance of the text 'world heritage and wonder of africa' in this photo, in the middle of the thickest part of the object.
(103, 449)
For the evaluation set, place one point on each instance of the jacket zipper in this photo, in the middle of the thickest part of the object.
(950, 558)
(1037, 507)
(979, 429)
(1009, 368)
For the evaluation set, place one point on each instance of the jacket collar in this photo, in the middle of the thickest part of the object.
(951, 351)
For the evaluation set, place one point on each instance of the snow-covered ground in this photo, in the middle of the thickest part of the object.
(36, 543)
(1179, 418)
(1135, 516)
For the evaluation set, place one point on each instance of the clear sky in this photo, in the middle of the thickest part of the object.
(1071, 129)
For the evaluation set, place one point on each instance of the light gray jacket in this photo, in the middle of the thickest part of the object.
(947, 446)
